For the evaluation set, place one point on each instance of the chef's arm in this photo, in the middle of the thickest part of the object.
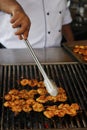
(9, 6)
(67, 33)
(19, 18)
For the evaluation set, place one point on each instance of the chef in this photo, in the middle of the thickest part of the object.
(42, 22)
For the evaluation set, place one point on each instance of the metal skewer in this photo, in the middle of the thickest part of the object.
(49, 84)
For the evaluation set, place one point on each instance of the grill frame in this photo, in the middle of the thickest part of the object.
(57, 69)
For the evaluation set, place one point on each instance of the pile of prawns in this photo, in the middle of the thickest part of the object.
(37, 99)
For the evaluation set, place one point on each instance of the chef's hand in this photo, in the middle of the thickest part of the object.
(22, 22)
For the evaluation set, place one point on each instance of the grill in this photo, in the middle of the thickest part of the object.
(72, 77)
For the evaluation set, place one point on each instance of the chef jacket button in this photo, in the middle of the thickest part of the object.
(48, 13)
(60, 12)
(48, 32)
(59, 30)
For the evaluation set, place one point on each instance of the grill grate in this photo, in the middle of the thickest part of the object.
(72, 77)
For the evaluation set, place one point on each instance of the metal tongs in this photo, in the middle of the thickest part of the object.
(49, 84)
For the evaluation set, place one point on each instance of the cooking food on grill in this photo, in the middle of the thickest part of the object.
(37, 99)
(6, 104)
(59, 113)
(13, 91)
(41, 84)
(24, 82)
(30, 101)
(60, 97)
(81, 50)
(61, 90)
(75, 106)
(26, 108)
(15, 94)
(32, 93)
(26, 100)
(38, 107)
(8, 97)
(42, 91)
(49, 114)
(42, 99)
(23, 94)
(16, 109)
(61, 110)
(30, 82)
(33, 82)
(53, 108)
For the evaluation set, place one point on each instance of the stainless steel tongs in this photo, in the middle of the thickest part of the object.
(49, 84)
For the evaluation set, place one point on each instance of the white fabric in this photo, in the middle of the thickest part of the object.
(45, 29)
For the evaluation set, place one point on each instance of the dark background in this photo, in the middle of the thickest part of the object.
(78, 10)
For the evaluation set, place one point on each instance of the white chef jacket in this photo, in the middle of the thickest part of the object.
(47, 18)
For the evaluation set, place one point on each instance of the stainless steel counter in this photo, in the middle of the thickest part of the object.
(21, 56)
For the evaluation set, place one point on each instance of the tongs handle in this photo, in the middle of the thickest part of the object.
(50, 85)
(35, 58)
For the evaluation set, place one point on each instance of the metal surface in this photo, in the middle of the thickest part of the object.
(70, 46)
(45, 55)
(72, 77)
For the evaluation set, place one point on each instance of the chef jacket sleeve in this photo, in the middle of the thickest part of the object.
(67, 17)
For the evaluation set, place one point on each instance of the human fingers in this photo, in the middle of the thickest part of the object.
(23, 32)
(24, 35)
(22, 23)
